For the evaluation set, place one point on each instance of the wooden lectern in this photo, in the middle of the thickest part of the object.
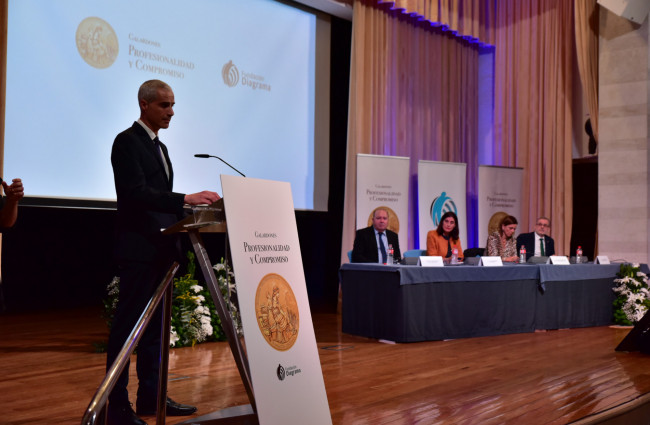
(212, 219)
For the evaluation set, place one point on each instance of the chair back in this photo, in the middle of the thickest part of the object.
(415, 253)
(473, 252)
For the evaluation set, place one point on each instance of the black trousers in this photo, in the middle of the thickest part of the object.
(138, 282)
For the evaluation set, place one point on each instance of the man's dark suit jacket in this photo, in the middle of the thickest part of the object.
(145, 204)
(528, 240)
(145, 201)
(365, 246)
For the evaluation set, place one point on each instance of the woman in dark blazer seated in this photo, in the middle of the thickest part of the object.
(444, 239)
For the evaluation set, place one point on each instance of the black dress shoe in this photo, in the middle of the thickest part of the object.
(173, 409)
(123, 415)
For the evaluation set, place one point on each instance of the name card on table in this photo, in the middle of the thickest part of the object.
(602, 259)
(431, 261)
(490, 261)
(558, 259)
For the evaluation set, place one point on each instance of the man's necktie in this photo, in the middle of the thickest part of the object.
(541, 247)
(156, 143)
(382, 248)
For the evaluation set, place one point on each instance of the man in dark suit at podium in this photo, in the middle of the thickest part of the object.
(145, 204)
(371, 244)
(538, 243)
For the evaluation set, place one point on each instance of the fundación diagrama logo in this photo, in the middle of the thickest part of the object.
(233, 76)
(440, 205)
(97, 42)
(289, 371)
(230, 74)
(281, 373)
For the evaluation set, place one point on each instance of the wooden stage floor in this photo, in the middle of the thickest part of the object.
(48, 374)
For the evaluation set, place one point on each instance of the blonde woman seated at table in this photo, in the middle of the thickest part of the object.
(503, 243)
(444, 239)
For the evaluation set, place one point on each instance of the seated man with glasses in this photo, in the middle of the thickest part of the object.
(537, 243)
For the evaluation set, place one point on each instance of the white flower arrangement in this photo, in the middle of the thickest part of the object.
(226, 280)
(633, 297)
(173, 337)
(194, 319)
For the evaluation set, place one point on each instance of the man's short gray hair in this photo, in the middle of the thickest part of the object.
(149, 90)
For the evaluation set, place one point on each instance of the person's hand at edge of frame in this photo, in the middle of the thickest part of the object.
(15, 191)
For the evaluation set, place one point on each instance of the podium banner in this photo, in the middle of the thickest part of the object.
(383, 181)
(499, 194)
(441, 188)
(278, 330)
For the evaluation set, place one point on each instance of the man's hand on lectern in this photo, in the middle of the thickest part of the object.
(202, 198)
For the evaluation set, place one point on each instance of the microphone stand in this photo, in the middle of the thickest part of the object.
(205, 155)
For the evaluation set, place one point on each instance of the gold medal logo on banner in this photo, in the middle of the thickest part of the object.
(277, 312)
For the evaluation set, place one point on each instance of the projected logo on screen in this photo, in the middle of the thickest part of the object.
(277, 312)
(97, 42)
(441, 205)
(230, 74)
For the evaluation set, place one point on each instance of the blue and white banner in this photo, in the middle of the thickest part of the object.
(383, 181)
(441, 188)
(499, 194)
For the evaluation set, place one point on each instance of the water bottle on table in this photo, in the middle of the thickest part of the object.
(389, 260)
(579, 255)
(522, 254)
(454, 256)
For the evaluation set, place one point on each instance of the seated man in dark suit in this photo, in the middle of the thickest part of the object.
(538, 243)
(371, 243)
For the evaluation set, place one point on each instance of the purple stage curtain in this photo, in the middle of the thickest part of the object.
(535, 63)
(413, 92)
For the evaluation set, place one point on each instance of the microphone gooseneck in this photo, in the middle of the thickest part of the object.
(205, 155)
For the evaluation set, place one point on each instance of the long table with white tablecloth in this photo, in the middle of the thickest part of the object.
(409, 303)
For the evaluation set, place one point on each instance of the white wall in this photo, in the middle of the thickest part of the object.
(623, 177)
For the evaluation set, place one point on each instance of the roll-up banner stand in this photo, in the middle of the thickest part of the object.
(441, 188)
(499, 194)
(383, 181)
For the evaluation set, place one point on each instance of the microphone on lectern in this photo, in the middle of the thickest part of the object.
(205, 155)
